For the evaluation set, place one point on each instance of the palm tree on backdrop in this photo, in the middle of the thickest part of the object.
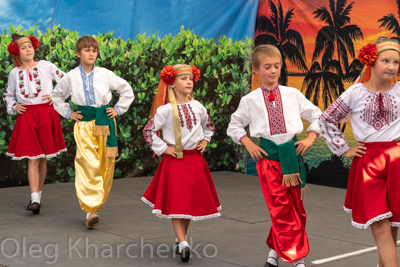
(391, 23)
(338, 34)
(275, 30)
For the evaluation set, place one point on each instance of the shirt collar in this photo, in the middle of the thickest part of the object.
(275, 88)
(83, 71)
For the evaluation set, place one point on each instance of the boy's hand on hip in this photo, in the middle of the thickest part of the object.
(76, 116)
(111, 113)
(305, 144)
(255, 151)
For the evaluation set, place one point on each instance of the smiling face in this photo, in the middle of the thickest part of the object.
(26, 52)
(269, 70)
(87, 56)
(386, 65)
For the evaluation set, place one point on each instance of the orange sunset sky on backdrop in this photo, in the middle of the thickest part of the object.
(365, 14)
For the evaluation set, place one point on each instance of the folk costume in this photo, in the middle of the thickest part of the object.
(275, 117)
(95, 134)
(182, 187)
(373, 184)
(37, 132)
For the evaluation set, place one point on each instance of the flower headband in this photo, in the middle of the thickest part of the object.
(369, 53)
(169, 73)
(13, 47)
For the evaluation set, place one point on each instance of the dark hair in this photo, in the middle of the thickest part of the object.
(16, 36)
(86, 41)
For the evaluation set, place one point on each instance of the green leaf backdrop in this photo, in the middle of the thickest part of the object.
(226, 74)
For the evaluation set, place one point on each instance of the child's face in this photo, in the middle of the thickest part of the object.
(386, 65)
(183, 85)
(87, 56)
(26, 52)
(269, 71)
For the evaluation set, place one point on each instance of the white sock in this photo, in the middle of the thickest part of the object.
(177, 241)
(182, 245)
(35, 197)
(273, 257)
(40, 195)
(299, 263)
(87, 215)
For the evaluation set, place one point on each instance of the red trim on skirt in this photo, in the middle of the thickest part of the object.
(183, 188)
(37, 134)
(373, 185)
(288, 217)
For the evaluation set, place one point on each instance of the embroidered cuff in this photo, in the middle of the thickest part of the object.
(240, 139)
(342, 150)
(68, 114)
(118, 110)
(162, 151)
(316, 132)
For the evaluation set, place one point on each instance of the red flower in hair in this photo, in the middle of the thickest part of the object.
(35, 42)
(13, 49)
(168, 74)
(368, 54)
(196, 73)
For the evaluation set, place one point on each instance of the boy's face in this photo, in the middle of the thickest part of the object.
(269, 71)
(87, 56)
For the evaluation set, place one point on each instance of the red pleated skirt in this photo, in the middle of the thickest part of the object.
(374, 184)
(37, 134)
(183, 188)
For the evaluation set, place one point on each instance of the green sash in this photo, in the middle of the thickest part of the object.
(290, 162)
(104, 126)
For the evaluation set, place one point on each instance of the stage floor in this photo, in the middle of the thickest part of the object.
(128, 234)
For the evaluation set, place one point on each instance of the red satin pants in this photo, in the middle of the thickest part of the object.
(287, 234)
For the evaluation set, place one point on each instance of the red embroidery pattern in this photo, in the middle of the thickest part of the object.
(147, 132)
(22, 84)
(275, 111)
(379, 114)
(210, 125)
(186, 109)
(59, 74)
(334, 114)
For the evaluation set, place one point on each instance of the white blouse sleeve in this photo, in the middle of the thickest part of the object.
(9, 96)
(55, 73)
(329, 120)
(61, 92)
(309, 112)
(239, 120)
(151, 128)
(125, 91)
(206, 124)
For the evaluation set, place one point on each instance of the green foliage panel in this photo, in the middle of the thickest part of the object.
(225, 69)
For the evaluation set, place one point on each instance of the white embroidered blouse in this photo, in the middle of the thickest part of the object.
(194, 121)
(277, 120)
(91, 89)
(29, 85)
(374, 117)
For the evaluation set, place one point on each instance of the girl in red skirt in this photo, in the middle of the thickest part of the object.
(373, 185)
(37, 133)
(182, 188)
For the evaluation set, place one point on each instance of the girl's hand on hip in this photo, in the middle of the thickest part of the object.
(20, 108)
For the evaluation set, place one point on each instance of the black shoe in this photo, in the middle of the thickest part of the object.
(185, 254)
(267, 264)
(34, 207)
(177, 249)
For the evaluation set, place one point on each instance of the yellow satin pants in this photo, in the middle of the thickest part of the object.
(94, 171)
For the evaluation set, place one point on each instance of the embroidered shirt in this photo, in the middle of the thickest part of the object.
(278, 124)
(28, 86)
(374, 117)
(94, 92)
(194, 121)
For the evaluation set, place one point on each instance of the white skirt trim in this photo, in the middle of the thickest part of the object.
(37, 157)
(395, 224)
(346, 209)
(159, 214)
(376, 219)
